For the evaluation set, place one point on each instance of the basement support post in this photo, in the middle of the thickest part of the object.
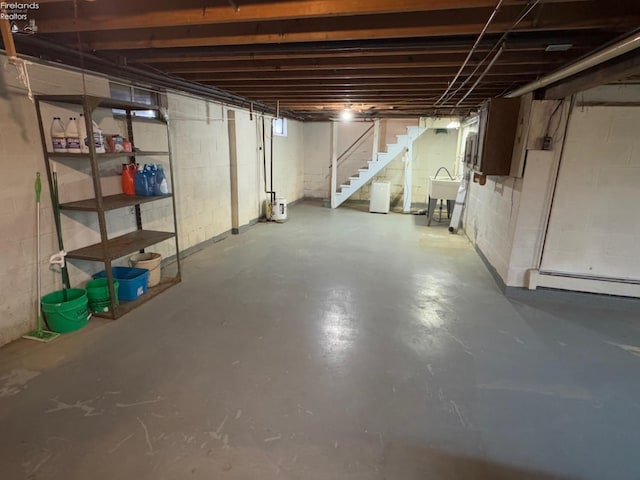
(334, 162)
(408, 176)
(233, 171)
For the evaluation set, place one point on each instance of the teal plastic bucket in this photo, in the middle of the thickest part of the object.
(66, 310)
(98, 295)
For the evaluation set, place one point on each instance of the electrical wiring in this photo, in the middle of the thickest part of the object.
(526, 10)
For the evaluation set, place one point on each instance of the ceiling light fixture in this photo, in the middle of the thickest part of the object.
(347, 114)
(453, 124)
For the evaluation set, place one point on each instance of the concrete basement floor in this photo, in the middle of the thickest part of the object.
(340, 345)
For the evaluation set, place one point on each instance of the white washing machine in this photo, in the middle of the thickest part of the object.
(380, 197)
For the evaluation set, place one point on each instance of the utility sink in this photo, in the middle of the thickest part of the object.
(443, 188)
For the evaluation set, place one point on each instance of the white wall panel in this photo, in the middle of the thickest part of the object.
(595, 221)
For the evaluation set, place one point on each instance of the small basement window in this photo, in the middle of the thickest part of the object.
(129, 93)
(280, 127)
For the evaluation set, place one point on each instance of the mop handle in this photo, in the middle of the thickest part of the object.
(38, 191)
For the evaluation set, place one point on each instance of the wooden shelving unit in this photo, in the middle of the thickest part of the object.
(110, 249)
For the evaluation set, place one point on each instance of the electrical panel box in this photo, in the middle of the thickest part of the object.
(496, 136)
(471, 150)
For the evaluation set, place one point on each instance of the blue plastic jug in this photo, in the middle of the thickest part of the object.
(142, 184)
(151, 171)
(160, 187)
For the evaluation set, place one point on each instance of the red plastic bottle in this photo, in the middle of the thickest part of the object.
(128, 178)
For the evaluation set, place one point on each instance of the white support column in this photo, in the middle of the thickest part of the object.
(408, 176)
(334, 163)
(376, 140)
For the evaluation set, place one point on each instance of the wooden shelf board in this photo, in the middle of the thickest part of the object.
(120, 246)
(111, 202)
(126, 307)
(107, 156)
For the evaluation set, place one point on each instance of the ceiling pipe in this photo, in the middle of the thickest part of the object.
(471, 52)
(621, 47)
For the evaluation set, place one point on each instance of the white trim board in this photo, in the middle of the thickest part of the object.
(590, 285)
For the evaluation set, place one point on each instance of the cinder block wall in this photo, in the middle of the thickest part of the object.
(317, 158)
(199, 136)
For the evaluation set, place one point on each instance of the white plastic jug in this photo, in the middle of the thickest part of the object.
(98, 139)
(58, 136)
(82, 133)
(72, 135)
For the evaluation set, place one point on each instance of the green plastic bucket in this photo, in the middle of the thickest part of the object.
(98, 294)
(66, 316)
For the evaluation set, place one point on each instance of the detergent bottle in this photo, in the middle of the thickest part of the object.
(72, 136)
(58, 137)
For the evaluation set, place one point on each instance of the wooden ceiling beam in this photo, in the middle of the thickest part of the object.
(335, 91)
(329, 83)
(379, 106)
(432, 73)
(587, 40)
(394, 61)
(99, 17)
(446, 69)
(158, 58)
(554, 17)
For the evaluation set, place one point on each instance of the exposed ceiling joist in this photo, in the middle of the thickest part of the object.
(388, 57)
(554, 17)
(98, 17)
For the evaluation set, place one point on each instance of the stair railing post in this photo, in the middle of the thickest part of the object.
(376, 140)
(408, 175)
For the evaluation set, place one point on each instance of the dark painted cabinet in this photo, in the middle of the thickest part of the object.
(496, 136)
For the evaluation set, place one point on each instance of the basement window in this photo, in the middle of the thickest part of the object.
(280, 127)
(130, 93)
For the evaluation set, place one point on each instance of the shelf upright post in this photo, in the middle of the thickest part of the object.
(130, 136)
(97, 190)
(173, 196)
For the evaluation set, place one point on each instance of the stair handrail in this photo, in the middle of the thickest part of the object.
(343, 155)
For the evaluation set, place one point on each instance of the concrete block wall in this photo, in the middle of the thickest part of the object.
(317, 158)
(528, 236)
(250, 183)
(430, 152)
(490, 219)
(288, 162)
(506, 218)
(199, 137)
(200, 146)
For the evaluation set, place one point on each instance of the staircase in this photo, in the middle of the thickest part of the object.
(374, 166)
